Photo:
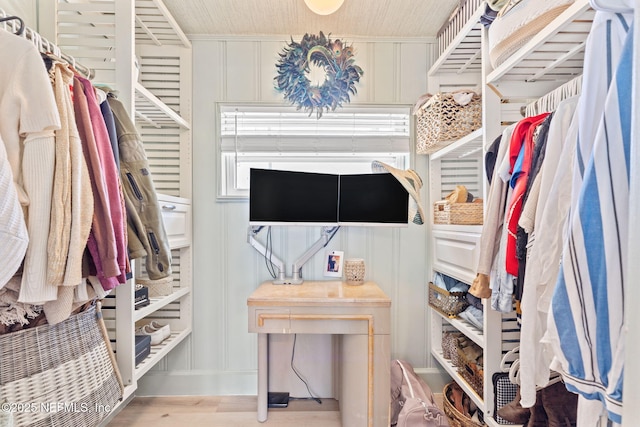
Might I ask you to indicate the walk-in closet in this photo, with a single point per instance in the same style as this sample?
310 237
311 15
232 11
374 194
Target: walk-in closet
318 213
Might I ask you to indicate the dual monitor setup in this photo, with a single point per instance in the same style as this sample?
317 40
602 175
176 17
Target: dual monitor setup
303 198
315 199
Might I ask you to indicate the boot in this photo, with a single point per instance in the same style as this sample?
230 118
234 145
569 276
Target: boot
480 286
514 412
538 416
560 405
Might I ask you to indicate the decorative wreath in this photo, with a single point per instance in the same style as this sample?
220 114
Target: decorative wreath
334 56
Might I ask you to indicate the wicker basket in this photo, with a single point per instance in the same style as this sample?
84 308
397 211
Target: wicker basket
442 120
157 288
471 370
456 419
448 303
450 343
457 213
65 373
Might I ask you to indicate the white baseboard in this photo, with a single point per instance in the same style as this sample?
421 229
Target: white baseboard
235 383
198 383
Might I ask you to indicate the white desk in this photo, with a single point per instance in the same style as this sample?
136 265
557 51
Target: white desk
359 315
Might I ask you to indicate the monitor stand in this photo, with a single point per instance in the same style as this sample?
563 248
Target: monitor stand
296 279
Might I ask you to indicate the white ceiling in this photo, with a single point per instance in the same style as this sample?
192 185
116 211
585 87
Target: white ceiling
359 18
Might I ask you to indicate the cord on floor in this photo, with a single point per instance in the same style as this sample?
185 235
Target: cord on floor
312 397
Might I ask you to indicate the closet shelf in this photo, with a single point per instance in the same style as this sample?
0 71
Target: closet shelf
463 54
155 25
463 147
491 422
159 351
152 110
470 331
555 55
457 228
158 303
464 385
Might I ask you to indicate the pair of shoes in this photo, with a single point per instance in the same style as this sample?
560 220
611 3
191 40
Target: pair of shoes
480 287
514 412
156 330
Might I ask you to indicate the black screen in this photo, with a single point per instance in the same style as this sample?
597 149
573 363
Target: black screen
285 196
373 198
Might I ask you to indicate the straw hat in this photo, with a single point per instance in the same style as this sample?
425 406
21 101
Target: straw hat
13 229
459 195
411 181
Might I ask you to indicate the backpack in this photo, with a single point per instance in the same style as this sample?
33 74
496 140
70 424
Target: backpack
412 401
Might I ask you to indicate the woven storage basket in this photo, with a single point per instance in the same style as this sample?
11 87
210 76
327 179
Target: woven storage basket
65 373
157 288
442 120
456 419
448 303
450 342
457 213
471 371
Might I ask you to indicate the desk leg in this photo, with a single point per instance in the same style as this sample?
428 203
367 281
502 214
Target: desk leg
263 375
355 379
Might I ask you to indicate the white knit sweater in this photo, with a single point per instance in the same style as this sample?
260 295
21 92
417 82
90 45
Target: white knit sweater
28 117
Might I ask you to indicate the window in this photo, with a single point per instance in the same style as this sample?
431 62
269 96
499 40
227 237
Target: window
279 137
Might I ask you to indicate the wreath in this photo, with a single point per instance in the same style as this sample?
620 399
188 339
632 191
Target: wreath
334 57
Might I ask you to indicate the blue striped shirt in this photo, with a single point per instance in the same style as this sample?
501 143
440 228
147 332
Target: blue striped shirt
587 310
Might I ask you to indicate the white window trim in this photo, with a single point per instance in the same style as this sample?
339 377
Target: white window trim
229 169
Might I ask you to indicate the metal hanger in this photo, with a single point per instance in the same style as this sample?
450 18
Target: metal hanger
20 30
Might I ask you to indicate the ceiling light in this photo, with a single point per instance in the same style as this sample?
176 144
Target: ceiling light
324 7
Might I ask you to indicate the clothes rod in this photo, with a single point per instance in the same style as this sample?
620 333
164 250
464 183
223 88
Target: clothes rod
43 45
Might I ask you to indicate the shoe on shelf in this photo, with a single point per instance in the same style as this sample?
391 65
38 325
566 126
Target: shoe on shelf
156 335
157 326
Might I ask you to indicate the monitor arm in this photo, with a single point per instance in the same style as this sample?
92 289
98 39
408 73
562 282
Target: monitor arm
325 238
253 231
323 241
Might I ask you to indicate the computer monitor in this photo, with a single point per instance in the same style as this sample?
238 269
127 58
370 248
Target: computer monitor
279 197
372 200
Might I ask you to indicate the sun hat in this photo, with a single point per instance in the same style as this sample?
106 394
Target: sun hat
13 229
411 181
459 195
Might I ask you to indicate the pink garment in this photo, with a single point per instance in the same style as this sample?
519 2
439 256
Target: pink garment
102 242
112 177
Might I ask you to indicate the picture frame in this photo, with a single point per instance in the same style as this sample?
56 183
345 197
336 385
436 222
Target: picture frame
333 261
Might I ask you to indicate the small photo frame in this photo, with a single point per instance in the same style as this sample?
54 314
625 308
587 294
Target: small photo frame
333 263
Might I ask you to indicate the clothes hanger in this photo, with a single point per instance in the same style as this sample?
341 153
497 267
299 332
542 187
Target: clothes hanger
20 30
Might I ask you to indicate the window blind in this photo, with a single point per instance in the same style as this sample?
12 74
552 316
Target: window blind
259 129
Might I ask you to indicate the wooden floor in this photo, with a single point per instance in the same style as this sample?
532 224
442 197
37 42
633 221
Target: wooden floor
225 411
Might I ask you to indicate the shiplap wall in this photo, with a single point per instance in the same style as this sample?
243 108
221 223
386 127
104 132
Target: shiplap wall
220 357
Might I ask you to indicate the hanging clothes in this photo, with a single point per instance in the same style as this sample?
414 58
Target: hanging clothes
522 147
147 235
534 363
493 222
102 242
13 229
72 207
586 319
115 197
28 117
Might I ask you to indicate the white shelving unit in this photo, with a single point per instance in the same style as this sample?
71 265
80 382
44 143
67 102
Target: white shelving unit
137 48
551 58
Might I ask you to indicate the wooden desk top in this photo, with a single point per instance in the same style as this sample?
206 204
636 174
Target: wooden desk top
319 293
